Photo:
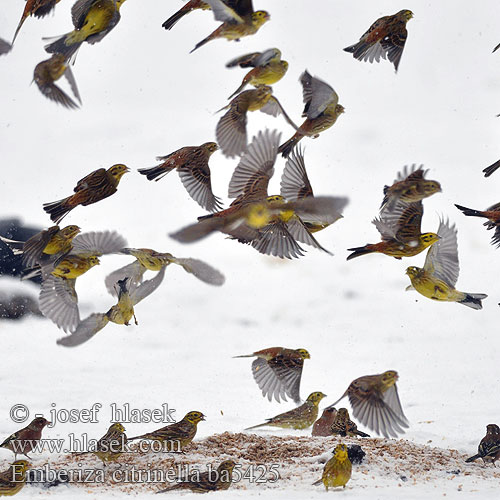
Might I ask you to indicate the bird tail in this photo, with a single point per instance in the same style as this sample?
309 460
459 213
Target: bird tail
172 20
358 49
471 459
239 89
245 356
59 46
58 209
142 436
362 434
21 22
358 251
286 148
177 486
319 481
473 300
257 426
156 173
203 42
493 167
496 48
470 211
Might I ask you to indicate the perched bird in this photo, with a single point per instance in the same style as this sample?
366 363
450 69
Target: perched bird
212 480
489 447
37 8
231 129
45 246
48 72
410 186
301 417
375 403
5 47
493 214
437 279
238 20
186 9
150 260
400 229
24 440
322 426
491 169
112 444
178 435
121 313
385 38
337 471
58 299
343 425
93 20
321 110
277 371
13 479
270 224
192 164
92 188
268 68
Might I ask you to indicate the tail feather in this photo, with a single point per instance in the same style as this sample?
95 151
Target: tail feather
358 49
18 29
494 166
257 426
172 20
239 89
203 42
58 209
470 211
496 48
286 148
155 173
474 457
473 300
245 356
59 47
358 251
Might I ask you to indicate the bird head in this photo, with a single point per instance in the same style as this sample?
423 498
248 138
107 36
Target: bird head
389 378
226 465
412 271
70 232
315 397
117 427
211 147
93 261
259 17
492 429
304 354
431 187
342 414
405 15
339 109
427 239
117 171
340 452
19 468
194 417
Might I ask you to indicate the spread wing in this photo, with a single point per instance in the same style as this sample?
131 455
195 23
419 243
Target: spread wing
231 132
137 293
98 243
401 222
230 12
133 271
32 249
294 181
268 381
72 83
442 257
393 44
300 233
317 94
196 180
201 270
85 330
275 239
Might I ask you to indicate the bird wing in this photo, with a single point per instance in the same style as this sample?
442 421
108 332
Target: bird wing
321 209
196 180
251 176
58 301
137 293
288 368
263 58
85 330
317 94
33 248
275 239
56 94
294 181
401 221
201 270
442 258
300 232
96 243
94 180
391 399
268 381
4 47
246 60
133 271
79 11
393 44
72 83
229 12
231 131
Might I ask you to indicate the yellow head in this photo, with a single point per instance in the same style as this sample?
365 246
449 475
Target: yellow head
304 354
389 378
431 187
194 417
117 171
93 261
19 468
315 397
275 199
226 465
259 17
412 271
69 232
427 239
211 147
405 15
119 4
340 452
116 427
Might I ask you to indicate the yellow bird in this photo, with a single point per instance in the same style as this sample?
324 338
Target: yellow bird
13 479
112 444
238 21
93 20
268 68
338 469
437 279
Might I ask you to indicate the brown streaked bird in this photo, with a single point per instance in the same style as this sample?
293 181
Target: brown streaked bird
112 444
343 425
268 68
48 72
191 162
321 110
93 20
212 480
25 440
238 20
278 371
5 47
400 229
493 214
385 38
409 186
129 295
231 130
301 417
13 479
491 169
489 447
322 426
178 435
186 9
375 403
92 188
37 8
151 260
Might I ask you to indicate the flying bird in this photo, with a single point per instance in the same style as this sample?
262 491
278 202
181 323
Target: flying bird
492 214
186 9
37 8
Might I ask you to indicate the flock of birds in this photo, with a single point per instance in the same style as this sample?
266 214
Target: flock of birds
272 224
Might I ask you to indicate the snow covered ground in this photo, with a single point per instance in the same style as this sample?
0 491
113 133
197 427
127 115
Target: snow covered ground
144 96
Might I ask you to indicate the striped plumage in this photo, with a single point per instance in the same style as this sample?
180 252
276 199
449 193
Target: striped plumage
13 479
343 425
112 444
92 188
489 447
493 214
